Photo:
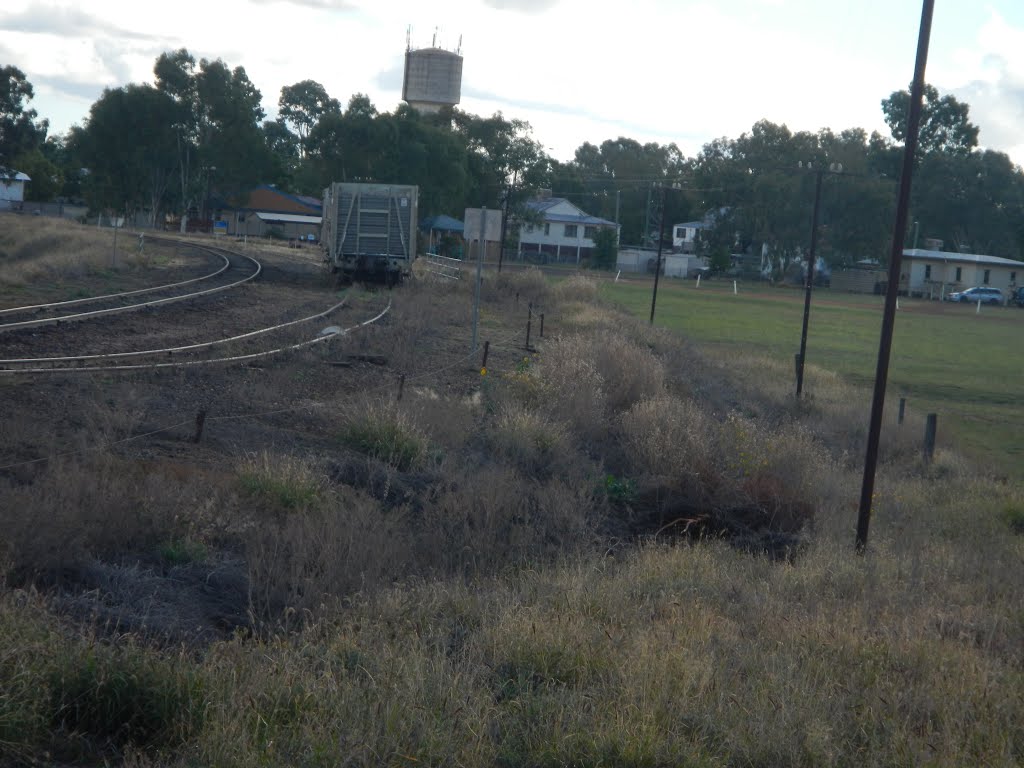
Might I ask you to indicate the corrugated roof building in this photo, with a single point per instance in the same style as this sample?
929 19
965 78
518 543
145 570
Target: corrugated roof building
937 273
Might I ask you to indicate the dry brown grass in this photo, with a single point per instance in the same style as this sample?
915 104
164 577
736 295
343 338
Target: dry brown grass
589 378
663 656
34 249
575 289
80 509
464 608
529 440
528 284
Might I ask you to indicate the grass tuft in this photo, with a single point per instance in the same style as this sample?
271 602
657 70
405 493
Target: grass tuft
122 697
388 435
282 482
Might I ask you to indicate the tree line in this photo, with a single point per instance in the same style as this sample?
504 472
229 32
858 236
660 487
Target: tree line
200 127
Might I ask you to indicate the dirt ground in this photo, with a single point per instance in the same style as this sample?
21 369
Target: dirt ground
145 420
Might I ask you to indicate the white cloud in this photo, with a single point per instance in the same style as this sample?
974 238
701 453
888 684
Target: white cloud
655 70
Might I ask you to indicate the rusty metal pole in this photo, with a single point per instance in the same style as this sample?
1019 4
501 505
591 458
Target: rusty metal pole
895 260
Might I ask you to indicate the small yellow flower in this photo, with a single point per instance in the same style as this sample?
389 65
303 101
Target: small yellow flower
483 371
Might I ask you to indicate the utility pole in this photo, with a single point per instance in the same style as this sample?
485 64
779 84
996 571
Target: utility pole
657 265
504 223
895 258
647 217
618 224
810 283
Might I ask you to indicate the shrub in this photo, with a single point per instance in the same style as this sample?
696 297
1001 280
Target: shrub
630 372
586 378
572 386
668 438
530 284
527 438
735 469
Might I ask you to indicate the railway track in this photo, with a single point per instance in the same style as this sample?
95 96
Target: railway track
49 365
231 264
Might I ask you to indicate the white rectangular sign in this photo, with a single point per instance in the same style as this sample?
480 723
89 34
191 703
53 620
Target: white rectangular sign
471 222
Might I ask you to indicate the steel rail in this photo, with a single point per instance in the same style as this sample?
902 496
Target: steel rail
154 289
189 363
171 350
142 305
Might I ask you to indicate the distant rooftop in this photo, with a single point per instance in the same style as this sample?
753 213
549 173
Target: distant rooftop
966 258
9 174
582 218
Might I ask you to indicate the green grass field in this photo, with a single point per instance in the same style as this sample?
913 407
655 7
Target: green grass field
946 358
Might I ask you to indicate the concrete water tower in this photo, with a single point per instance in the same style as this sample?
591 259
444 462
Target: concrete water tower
433 77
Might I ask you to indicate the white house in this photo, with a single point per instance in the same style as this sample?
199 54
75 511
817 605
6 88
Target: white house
565 232
12 188
936 273
684 236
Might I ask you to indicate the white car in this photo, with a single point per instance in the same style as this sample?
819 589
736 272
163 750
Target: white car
983 294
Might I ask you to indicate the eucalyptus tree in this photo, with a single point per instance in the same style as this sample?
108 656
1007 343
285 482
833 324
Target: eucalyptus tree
302 105
217 125
20 129
129 145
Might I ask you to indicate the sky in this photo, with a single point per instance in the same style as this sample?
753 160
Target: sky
682 71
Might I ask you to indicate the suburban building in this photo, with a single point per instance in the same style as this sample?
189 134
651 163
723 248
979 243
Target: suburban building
268 212
563 233
12 189
684 236
936 273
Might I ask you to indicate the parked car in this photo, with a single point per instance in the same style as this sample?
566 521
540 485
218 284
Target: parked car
981 293
1017 297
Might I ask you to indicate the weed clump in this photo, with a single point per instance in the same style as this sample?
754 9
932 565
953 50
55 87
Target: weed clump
122 697
529 284
281 482
78 700
388 435
733 473
1013 516
528 439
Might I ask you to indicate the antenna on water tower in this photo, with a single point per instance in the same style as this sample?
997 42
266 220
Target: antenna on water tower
433 76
